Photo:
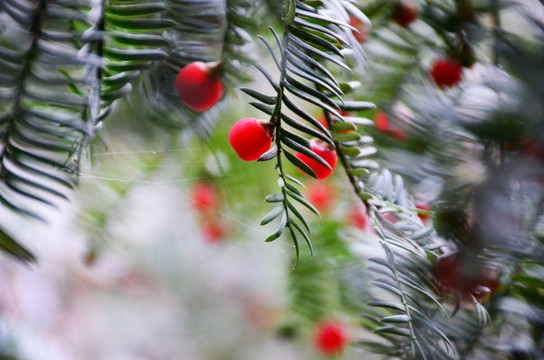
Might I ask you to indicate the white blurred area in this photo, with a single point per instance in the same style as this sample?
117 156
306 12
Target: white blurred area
158 291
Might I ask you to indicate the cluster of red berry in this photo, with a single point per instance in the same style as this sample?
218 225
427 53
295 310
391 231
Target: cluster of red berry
199 86
446 72
251 138
404 14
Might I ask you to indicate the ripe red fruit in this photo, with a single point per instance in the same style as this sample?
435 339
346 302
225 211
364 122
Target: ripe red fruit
405 13
199 85
250 138
361 35
326 153
446 72
331 338
321 195
204 197
423 217
381 123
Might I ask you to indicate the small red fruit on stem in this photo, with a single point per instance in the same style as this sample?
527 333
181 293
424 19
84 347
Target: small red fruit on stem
250 138
331 338
446 72
199 85
326 153
405 13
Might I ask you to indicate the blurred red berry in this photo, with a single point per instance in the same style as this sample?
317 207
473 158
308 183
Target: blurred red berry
492 283
361 35
326 153
447 271
423 217
250 138
534 149
199 86
331 338
321 195
358 217
477 281
381 123
446 72
405 13
204 197
392 218
323 120
213 232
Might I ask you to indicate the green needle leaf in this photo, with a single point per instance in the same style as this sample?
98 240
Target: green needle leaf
274 213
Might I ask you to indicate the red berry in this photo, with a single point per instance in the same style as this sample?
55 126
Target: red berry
331 338
405 13
392 218
478 282
381 123
213 232
199 86
446 72
204 197
250 138
447 271
358 217
323 120
423 217
326 153
360 35
321 195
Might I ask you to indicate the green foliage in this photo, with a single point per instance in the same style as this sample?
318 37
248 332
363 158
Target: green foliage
472 152
311 40
454 156
64 65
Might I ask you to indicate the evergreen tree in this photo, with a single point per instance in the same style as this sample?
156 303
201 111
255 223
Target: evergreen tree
428 111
